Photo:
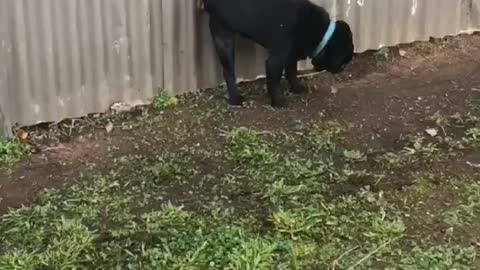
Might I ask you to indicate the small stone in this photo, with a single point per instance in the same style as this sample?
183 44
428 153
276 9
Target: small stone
334 90
121 107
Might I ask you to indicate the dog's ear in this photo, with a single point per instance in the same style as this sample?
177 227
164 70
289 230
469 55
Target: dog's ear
345 28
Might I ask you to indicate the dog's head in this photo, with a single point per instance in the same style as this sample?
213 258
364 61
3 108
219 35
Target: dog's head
338 52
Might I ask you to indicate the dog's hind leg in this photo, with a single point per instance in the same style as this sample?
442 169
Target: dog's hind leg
224 40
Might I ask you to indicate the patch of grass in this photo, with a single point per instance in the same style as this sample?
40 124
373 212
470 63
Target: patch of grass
245 146
278 191
417 150
322 137
36 238
249 204
339 234
441 258
274 172
173 238
93 229
467 210
252 255
469 123
12 151
164 100
281 178
354 156
423 184
104 225
171 167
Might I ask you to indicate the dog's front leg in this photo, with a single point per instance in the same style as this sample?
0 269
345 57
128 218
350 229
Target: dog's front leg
274 67
291 74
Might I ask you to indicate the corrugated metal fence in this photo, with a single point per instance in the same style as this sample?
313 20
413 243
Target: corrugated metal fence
67 58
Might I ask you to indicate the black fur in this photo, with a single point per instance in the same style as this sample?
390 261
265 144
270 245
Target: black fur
289 29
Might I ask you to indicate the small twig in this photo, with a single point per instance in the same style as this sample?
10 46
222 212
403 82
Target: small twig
362 260
335 262
443 130
90 121
71 127
379 178
55 123
222 132
63 133
264 132
55 148
309 74
473 165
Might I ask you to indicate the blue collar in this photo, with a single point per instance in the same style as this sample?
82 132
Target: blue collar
326 38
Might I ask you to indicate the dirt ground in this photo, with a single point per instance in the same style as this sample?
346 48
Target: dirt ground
378 96
381 100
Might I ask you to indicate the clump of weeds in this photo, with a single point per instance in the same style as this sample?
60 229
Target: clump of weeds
12 151
164 100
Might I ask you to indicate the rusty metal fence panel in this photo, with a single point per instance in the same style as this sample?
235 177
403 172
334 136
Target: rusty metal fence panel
67 58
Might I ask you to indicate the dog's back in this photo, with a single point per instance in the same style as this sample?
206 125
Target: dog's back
255 18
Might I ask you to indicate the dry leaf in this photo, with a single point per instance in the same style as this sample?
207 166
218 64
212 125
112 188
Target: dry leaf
109 127
432 132
21 134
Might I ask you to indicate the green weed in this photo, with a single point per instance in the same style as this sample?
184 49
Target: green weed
12 151
164 100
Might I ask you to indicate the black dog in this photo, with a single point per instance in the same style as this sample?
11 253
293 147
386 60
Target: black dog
291 30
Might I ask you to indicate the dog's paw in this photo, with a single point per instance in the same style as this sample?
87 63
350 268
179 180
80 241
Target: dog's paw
299 88
236 100
279 101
